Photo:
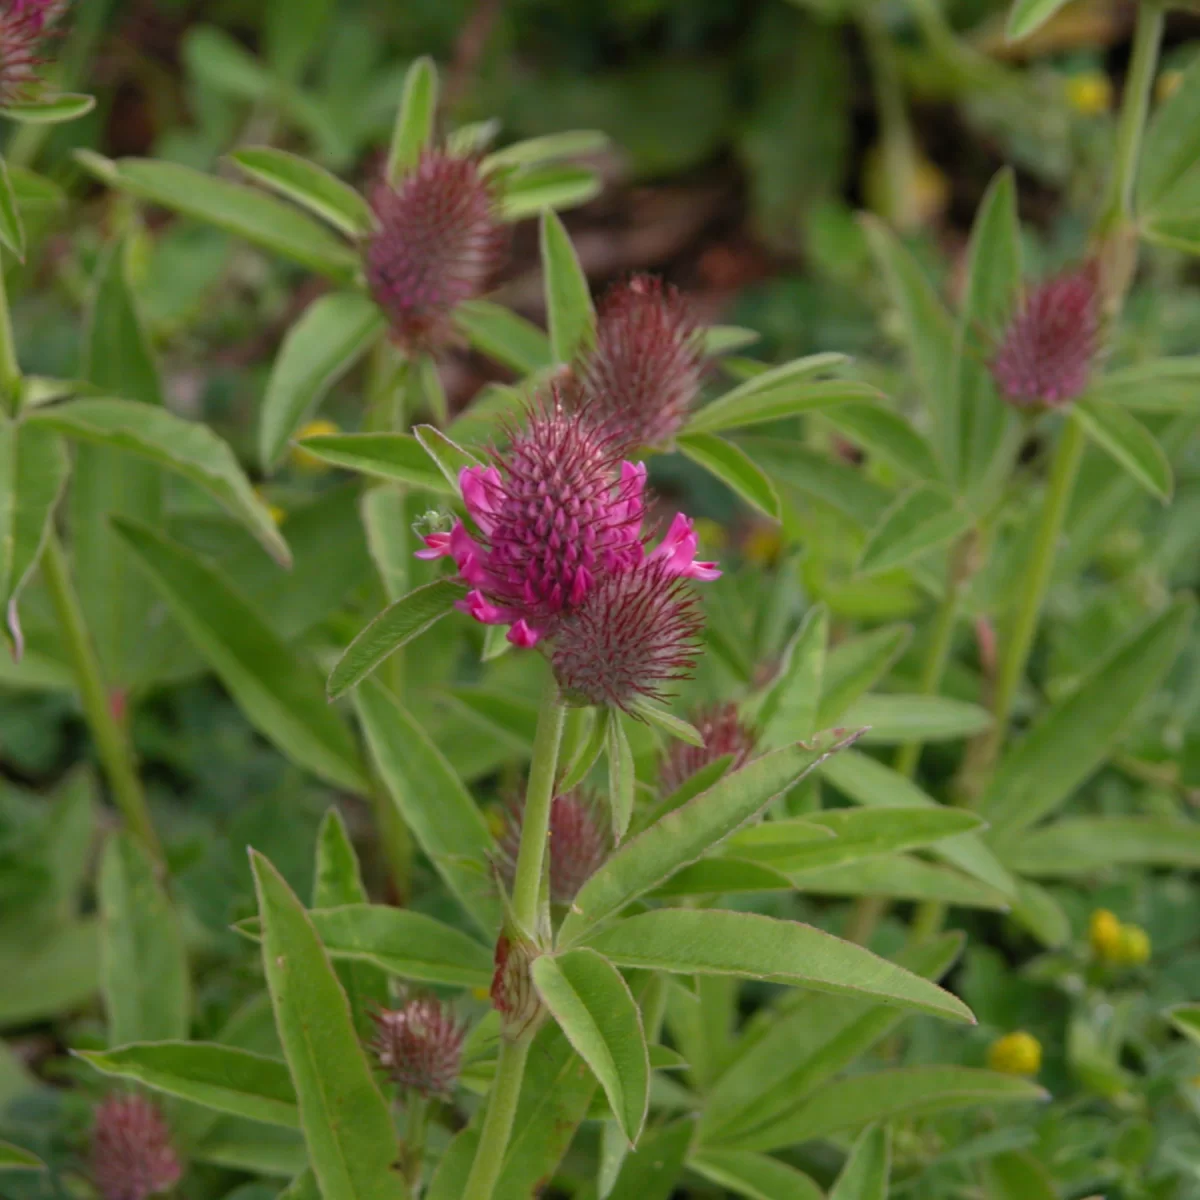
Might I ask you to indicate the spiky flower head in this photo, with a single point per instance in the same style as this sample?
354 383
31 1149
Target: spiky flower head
131 1154
723 732
636 633
557 512
513 995
642 372
23 24
420 1045
439 239
580 841
1046 354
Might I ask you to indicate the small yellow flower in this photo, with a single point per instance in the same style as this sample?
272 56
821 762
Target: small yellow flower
1017 1053
302 458
1167 85
1133 946
1104 935
1090 93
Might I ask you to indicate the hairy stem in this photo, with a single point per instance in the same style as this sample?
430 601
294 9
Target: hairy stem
112 746
497 1125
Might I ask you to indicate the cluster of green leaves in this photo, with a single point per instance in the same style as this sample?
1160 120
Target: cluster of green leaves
705 1028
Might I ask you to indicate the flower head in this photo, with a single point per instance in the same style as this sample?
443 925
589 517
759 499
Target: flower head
1017 1053
723 733
636 632
438 240
1134 947
642 372
1104 934
23 23
1046 354
580 840
132 1156
420 1045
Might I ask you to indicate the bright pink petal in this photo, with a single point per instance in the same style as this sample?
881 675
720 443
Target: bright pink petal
706 571
475 605
521 634
479 486
437 545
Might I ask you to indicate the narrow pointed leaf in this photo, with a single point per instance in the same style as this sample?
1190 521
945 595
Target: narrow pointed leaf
243 211
886 435
13 1158
571 144
280 692
759 405
595 1009
893 718
414 122
143 963
504 336
329 338
716 942
788 712
396 626
620 775
187 447
1028 16
397 457
1172 143
12 232
67 106
569 310
308 185
734 468
218 1077
1086 845
346 1123
867 1169
449 457
684 834
546 189
1129 443
754 1176
919 522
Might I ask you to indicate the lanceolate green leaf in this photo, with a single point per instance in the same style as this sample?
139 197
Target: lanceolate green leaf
755 406
734 468
280 692
432 801
620 774
222 1078
1169 385
114 594
867 781
880 1095
347 1126
414 122
501 334
397 625
338 882
929 333
570 144
144 970
1028 16
449 457
684 834
920 521
1172 144
188 447
13 1158
788 712
892 718
308 185
1121 435
12 233
900 877
855 665
67 106
568 302
543 189
33 470
1085 845
397 457
328 339
1079 732
754 1176
243 211
399 941
596 1011
811 1037
888 436
716 942
865 1175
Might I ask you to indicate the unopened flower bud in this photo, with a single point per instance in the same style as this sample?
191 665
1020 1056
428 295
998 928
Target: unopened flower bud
420 1046
723 733
1017 1053
1104 935
580 840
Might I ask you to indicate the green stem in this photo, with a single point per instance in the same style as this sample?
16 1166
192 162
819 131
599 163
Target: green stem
1015 653
535 818
936 655
112 745
1139 81
10 368
416 1110
497 1125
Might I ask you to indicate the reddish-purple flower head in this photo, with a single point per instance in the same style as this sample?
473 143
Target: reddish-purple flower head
636 633
724 734
1046 354
420 1046
580 840
23 23
439 239
557 513
132 1156
642 372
